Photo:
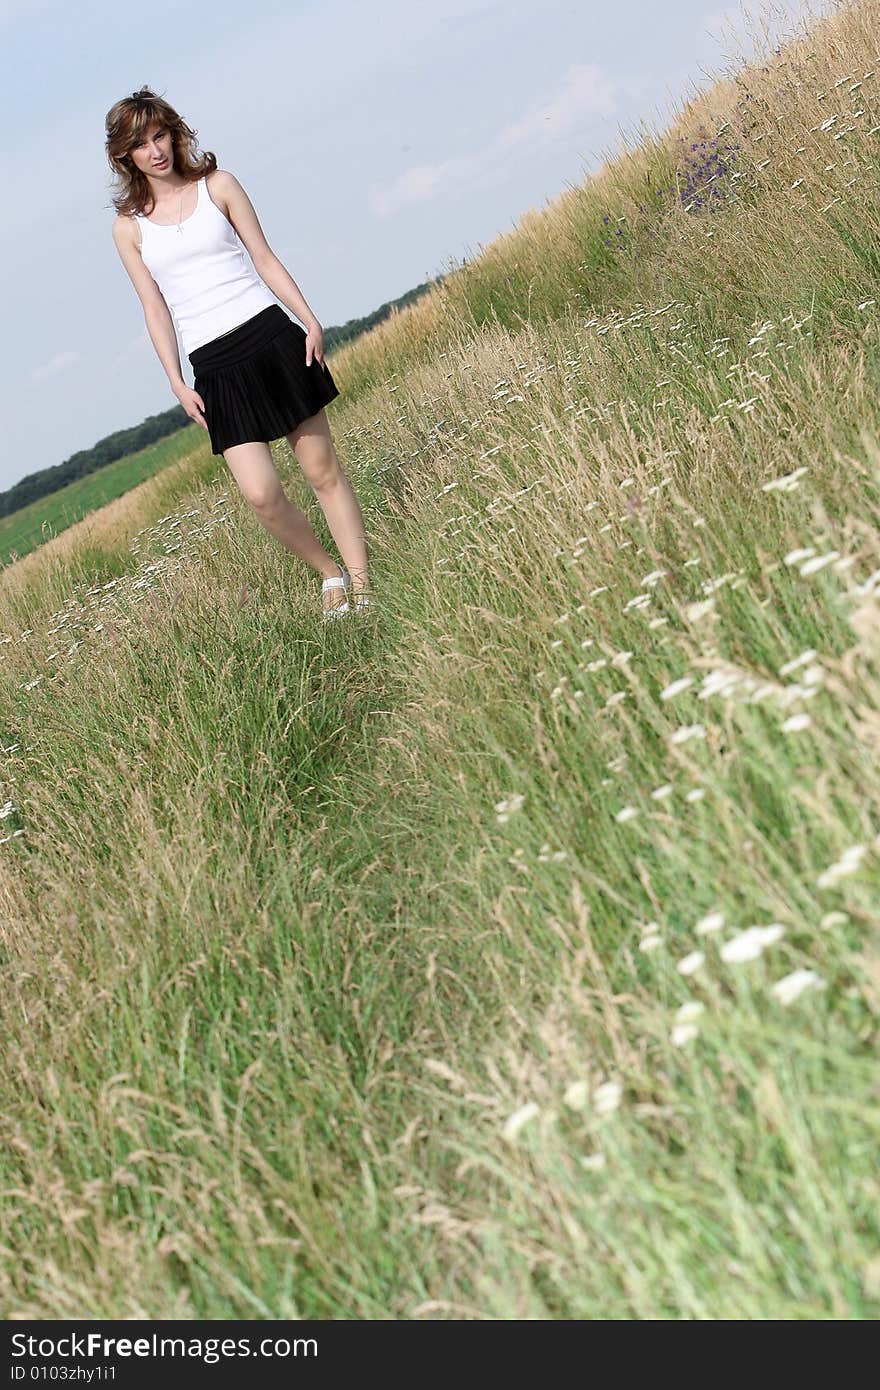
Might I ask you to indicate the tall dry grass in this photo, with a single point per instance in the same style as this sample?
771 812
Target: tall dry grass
513 955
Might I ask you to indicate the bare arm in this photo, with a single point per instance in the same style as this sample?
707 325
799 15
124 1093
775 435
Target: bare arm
160 327
282 284
157 316
232 200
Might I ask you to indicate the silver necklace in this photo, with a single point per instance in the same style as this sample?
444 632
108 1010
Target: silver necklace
179 213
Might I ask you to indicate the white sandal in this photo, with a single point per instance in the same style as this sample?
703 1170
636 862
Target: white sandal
340 581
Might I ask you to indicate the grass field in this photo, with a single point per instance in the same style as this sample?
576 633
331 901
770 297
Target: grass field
510 952
24 530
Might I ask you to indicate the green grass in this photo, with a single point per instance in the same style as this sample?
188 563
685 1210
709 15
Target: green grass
400 969
24 530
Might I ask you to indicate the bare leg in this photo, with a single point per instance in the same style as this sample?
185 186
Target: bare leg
312 444
254 470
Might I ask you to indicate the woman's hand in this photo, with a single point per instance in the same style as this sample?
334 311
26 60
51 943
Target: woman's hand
315 344
192 404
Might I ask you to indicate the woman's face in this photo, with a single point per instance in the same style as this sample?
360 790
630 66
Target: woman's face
154 147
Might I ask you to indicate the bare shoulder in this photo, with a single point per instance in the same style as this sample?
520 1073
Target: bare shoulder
221 179
226 191
124 232
221 184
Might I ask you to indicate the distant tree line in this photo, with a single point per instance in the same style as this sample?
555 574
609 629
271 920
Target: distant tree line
346 332
129 441
84 461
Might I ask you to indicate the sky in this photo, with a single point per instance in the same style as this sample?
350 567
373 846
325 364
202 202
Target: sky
380 143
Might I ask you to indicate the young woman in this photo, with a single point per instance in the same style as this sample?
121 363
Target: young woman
257 375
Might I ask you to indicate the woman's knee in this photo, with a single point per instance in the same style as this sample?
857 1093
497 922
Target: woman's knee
317 459
312 446
254 470
322 473
267 498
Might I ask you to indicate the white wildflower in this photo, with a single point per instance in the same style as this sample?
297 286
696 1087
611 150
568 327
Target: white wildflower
795 556
696 794
819 562
687 732
848 863
749 944
683 1033
690 963
719 682
711 586
802 660
833 919
786 483
659 793
712 922
508 806
519 1118
592 1162
795 723
627 813
696 611
689 1011
792 986
676 687
761 692
576 1095
607 1097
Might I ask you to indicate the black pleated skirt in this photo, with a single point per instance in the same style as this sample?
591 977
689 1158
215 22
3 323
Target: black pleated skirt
255 382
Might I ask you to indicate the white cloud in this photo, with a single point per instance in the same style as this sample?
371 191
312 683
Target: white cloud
586 91
61 362
418 184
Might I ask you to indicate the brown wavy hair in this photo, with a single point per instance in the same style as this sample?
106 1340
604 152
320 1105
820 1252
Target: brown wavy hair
126 123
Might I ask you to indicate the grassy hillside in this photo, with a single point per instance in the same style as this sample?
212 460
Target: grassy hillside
511 952
28 527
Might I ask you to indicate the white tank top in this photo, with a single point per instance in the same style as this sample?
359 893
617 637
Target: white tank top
202 270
